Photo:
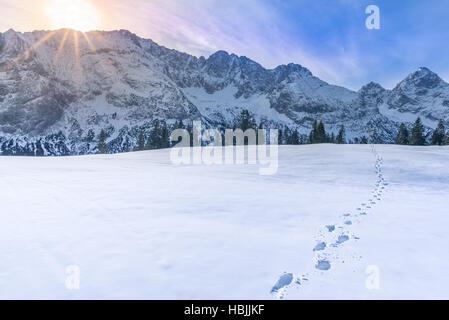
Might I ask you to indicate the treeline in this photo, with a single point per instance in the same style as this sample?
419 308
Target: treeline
159 136
416 135
288 136
317 135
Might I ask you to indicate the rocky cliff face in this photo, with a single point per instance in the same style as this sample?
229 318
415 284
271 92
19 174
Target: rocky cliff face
59 89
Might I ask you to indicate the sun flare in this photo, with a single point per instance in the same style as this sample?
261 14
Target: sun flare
74 14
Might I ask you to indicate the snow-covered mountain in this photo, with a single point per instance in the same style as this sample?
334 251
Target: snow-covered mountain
59 89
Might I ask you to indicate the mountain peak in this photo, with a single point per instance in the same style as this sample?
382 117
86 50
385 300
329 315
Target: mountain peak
11 30
126 33
372 86
219 53
294 68
131 36
422 72
423 78
10 33
222 55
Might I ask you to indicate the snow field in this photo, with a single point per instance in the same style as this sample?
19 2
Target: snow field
139 227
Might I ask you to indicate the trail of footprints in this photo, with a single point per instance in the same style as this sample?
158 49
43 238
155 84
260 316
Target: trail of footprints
331 237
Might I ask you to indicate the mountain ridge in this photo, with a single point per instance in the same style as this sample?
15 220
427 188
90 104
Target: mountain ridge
62 87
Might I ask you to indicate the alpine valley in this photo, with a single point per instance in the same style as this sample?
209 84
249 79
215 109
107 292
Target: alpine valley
59 89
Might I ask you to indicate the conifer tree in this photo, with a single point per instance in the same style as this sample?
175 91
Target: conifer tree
403 135
154 140
102 147
446 139
438 134
246 121
364 140
287 134
417 134
280 137
257 133
189 129
164 136
313 132
140 145
294 138
341 137
320 136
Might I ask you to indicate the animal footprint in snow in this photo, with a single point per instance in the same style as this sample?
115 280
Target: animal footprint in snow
285 280
323 265
341 239
320 246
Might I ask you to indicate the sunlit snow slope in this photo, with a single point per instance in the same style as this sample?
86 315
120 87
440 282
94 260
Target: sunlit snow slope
139 227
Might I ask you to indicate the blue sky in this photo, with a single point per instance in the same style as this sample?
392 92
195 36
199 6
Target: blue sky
327 36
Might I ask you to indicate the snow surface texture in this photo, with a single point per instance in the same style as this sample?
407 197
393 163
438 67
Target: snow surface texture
331 237
139 227
59 89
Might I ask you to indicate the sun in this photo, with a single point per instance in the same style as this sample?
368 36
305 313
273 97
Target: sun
74 14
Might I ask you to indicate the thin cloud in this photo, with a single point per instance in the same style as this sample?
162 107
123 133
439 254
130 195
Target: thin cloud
327 37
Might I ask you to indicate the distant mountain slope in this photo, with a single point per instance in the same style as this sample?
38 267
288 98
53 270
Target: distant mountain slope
58 89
